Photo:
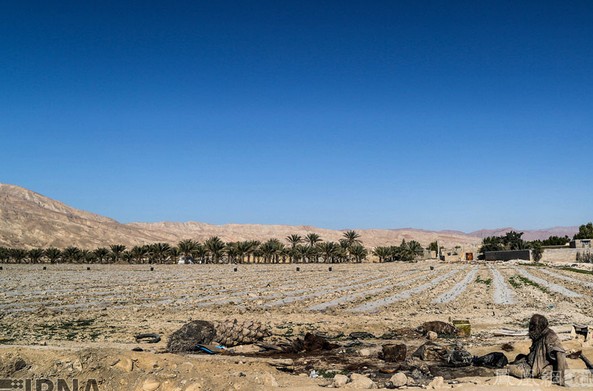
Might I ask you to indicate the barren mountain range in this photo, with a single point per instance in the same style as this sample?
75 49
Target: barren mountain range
29 219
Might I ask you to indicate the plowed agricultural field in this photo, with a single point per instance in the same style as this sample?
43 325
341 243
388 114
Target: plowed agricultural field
111 303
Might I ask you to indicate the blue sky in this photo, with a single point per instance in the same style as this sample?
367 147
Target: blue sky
338 114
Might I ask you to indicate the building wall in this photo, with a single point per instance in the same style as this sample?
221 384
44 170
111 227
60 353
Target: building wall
581 243
459 254
507 255
562 254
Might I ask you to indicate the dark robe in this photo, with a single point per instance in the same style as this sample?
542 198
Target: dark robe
546 354
545 347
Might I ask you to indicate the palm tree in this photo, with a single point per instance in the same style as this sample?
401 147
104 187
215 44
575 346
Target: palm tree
215 247
87 256
293 240
71 254
174 255
358 252
4 254
18 254
127 256
383 253
138 253
232 251
53 254
102 254
328 251
253 250
186 249
116 251
160 251
305 253
352 238
271 250
35 255
243 248
200 252
312 239
415 248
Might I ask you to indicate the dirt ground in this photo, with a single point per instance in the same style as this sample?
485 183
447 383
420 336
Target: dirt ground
67 322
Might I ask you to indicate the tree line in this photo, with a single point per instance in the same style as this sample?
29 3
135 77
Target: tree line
296 249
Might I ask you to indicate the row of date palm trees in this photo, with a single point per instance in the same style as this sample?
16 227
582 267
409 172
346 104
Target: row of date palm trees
406 252
308 249
297 249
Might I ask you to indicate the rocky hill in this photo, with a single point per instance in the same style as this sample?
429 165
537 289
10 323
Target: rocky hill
29 219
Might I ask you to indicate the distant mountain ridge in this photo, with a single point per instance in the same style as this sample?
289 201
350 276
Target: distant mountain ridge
528 234
29 219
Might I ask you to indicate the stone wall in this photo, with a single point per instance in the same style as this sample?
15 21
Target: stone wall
561 254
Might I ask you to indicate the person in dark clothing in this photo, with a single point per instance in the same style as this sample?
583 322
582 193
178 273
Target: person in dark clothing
546 358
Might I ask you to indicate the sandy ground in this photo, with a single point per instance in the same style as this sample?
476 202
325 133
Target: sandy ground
69 322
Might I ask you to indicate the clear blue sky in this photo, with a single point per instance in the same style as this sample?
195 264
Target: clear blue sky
339 114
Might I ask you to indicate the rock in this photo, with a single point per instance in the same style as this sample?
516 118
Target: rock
245 349
366 352
125 364
150 385
399 379
394 352
431 335
437 382
360 382
340 380
431 351
269 380
77 365
460 357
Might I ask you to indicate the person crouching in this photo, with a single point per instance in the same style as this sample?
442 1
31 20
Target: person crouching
546 358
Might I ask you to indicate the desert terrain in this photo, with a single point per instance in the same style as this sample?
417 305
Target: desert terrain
68 322
29 219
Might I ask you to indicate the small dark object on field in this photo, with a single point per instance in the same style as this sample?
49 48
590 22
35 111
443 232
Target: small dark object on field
235 269
148 338
491 360
137 349
152 269
432 268
44 268
330 269
88 268
507 347
298 269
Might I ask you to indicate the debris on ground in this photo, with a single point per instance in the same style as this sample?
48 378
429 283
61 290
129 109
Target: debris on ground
441 328
394 352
